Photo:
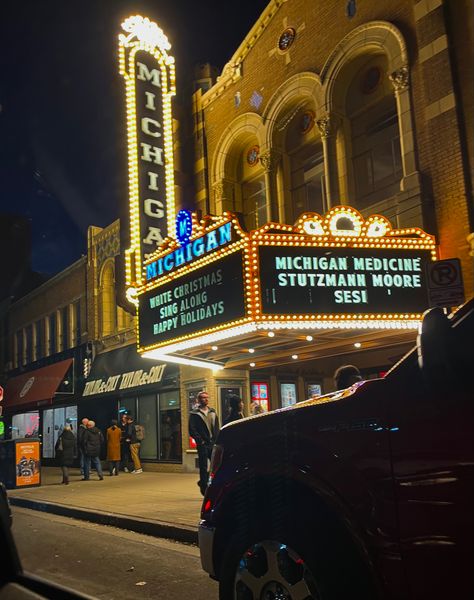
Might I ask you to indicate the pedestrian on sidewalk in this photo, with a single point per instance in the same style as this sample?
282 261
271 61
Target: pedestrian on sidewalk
80 438
113 447
133 444
65 449
203 427
345 376
124 446
236 406
93 440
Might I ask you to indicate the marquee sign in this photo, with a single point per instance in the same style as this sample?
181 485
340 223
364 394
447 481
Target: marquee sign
324 272
149 74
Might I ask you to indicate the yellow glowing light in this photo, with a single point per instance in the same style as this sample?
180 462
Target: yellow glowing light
181 360
271 334
145 36
309 338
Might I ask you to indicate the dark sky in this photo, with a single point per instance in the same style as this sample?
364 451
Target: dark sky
62 118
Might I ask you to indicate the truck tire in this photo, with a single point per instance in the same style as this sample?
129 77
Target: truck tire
295 565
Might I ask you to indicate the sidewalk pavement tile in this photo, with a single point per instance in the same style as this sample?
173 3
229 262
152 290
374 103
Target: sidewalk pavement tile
167 498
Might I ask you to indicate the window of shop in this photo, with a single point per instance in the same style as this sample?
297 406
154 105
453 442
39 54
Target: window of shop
29 344
53 424
170 426
25 425
77 323
147 417
52 334
39 339
19 347
64 327
160 415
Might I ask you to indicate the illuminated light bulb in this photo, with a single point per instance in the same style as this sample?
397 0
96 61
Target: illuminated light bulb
214 348
251 350
309 338
252 364
271 334
357 345
294 356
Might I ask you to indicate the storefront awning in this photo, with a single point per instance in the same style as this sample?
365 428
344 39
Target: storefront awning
122 370
35 386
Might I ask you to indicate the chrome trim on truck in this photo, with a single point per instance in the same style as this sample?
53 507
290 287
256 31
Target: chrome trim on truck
206 542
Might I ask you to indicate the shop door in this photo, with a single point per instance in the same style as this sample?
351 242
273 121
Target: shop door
48 433
224 393
53 423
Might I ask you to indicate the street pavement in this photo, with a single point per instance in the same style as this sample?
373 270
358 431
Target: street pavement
161 504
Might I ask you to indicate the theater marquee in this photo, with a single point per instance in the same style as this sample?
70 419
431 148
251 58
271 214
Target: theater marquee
336 271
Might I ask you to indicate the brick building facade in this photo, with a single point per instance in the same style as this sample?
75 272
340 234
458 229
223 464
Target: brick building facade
370 110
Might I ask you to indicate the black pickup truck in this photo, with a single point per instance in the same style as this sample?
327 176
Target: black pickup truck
363 493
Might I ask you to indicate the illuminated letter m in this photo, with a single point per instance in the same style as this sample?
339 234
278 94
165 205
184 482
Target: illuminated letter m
145 75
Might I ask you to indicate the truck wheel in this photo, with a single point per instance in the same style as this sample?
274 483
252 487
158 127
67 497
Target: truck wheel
268 570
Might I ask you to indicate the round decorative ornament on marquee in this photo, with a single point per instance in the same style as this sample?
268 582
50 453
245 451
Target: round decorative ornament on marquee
184 226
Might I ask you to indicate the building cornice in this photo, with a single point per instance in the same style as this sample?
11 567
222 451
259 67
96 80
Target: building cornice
232 71
50 283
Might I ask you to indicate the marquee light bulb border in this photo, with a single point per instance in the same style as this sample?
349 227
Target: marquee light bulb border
145 35
341 227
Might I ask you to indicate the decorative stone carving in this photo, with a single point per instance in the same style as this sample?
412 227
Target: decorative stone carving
269 160
400 78
218 189
325 126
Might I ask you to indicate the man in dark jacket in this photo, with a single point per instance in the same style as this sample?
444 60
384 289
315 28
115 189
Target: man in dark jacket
91 443
203 427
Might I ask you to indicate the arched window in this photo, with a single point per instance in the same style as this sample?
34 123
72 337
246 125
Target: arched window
107 306
374 133
251 176
305 151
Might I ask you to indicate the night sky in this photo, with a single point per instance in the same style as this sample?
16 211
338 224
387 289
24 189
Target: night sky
63 159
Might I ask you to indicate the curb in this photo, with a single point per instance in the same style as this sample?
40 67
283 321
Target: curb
178 533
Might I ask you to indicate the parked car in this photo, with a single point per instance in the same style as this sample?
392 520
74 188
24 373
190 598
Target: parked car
363 493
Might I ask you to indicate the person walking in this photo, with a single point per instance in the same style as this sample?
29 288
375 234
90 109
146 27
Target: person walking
133 444
80 436
236 406
124 446
203 427
114 434
345 376
92 443
65 449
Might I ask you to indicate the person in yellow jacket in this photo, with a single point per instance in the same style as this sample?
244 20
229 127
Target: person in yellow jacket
113 447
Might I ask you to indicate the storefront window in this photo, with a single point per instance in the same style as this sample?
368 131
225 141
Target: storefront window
147 417
170 426
128 405
53 424
25 425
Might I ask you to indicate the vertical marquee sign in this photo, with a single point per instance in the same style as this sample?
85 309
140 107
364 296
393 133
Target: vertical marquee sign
149 74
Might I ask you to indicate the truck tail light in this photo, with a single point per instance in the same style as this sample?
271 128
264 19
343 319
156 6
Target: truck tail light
216 461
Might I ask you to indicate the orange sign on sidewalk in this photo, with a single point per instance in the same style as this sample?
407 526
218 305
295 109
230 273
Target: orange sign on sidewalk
27 461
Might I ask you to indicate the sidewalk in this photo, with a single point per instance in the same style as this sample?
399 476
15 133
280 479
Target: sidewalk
161 504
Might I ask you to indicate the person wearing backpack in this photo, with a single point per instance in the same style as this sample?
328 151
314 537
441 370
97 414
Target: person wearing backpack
133 442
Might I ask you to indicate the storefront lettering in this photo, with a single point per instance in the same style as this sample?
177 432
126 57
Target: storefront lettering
124 381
